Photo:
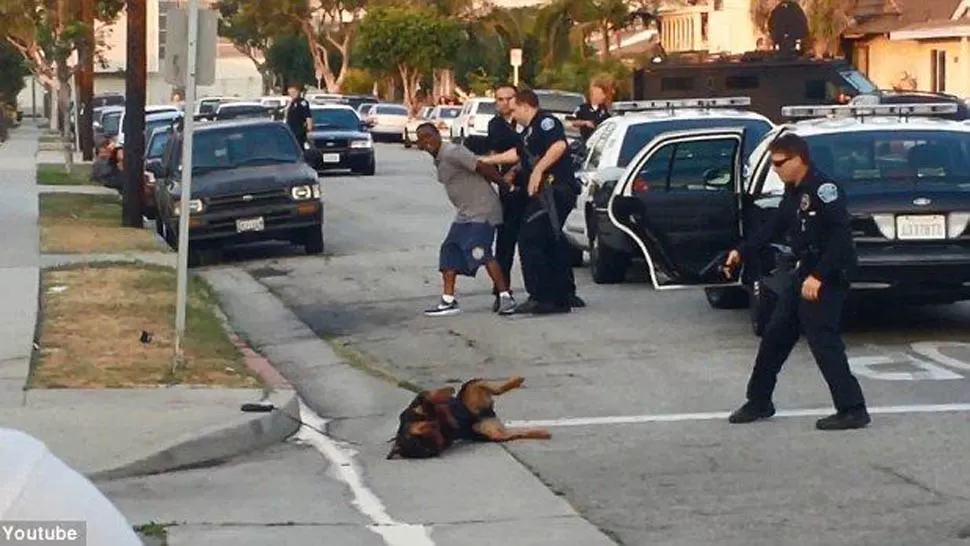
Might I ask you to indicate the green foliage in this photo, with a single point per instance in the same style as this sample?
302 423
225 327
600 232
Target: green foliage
409 38
14 70
289 59
577 75
243 28
358 81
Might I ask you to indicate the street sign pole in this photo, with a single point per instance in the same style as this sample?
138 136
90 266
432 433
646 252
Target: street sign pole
515 59
186 183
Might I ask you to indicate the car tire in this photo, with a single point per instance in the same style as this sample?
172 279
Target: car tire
313 240
731 297
606 265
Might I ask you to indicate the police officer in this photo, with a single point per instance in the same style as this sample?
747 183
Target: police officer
814 217
552 191
590 114
503 135
299 118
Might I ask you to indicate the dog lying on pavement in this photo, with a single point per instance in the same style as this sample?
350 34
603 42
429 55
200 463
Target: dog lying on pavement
435 420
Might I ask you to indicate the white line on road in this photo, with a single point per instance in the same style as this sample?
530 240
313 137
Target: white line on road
342 458
718 415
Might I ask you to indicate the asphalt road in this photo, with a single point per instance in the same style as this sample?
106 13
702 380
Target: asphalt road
636 386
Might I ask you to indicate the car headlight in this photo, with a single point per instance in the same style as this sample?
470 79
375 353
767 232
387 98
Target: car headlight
362 143
195 206
308 191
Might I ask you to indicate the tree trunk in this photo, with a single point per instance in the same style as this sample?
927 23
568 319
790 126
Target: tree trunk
266 77
605 52
63 107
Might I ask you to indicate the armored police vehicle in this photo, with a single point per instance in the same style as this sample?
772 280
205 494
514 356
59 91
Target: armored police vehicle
609 150
774 78
690 196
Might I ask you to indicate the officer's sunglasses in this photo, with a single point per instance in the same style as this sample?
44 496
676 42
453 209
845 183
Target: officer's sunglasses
779 162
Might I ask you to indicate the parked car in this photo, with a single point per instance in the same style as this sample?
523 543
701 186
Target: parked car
471 126
563 105
387 120
107 125
205 108
238 110
339 140
364 108
154 151
443 118
250 183
149 110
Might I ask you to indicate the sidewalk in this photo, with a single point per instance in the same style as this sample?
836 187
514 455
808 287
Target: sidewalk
117 432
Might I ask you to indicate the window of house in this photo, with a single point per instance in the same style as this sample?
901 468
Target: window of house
741 82
938 70
163 7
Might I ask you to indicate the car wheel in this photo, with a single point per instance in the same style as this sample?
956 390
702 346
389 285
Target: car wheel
313 240
731 297
606 265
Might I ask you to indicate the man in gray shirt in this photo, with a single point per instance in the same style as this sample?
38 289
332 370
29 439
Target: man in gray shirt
468 245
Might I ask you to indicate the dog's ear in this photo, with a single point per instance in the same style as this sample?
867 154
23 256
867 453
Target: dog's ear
441 396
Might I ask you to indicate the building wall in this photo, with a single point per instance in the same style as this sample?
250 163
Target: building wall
886 61
719 26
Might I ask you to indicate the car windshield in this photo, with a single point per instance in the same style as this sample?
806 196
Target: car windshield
867 157
249 146
335 118
156 145
448 113
858 81
561 104
155 124
390 110
208 106
111 122
485 108
638 136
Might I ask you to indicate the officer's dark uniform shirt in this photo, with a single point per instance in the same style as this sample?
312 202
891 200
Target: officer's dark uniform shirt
502 136
586 112
297 112
814 217
544 131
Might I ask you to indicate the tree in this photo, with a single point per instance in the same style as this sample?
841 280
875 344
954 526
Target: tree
14 70
249 34
415 41
827 19
47 35
289 60
328 26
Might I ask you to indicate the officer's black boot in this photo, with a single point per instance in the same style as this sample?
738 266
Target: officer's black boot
845 420
751 412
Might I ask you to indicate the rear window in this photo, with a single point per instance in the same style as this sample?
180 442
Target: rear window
449 113
391 110
638 136
561 104
157 144
485 108
111 122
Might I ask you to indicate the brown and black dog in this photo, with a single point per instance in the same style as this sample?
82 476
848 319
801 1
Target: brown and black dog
436 419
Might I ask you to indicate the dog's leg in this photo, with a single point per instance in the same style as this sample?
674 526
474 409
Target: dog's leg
527 434
495 388
495 431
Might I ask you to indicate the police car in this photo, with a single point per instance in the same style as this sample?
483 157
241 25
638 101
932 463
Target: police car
690 196
616 142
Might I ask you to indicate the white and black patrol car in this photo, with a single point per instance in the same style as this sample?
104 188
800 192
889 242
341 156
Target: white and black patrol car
618 140
690 196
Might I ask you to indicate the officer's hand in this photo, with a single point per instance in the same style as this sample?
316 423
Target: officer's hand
810 288
535 180
733 259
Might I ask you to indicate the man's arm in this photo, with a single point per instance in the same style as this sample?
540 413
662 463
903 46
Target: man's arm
775 224
470 162
838 249
551 156
490 173
508 157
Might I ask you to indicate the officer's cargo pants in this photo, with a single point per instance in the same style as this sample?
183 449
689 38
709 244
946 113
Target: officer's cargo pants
546 269
821 322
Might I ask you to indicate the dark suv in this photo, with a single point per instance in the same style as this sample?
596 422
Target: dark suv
249 183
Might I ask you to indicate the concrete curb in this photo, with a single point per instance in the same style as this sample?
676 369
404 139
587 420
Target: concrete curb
217 444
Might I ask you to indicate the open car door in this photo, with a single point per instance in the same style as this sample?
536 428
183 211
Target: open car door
679 201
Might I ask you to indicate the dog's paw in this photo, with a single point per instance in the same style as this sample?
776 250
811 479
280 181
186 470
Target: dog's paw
516 382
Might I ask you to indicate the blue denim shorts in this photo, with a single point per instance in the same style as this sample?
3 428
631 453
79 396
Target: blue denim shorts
467 247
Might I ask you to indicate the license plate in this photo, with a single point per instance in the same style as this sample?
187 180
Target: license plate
923 227
331 158
250 224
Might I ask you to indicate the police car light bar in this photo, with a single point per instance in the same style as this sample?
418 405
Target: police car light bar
646 105
858 110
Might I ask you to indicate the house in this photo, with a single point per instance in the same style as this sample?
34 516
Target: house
913 45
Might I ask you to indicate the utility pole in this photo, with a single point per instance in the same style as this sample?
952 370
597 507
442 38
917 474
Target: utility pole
135 83
85 81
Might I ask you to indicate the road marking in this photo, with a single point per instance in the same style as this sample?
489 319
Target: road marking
719 415
365 500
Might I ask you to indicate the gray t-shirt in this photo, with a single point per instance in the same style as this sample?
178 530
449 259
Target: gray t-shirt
469 191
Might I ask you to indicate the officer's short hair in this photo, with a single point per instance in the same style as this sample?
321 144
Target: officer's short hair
427 128
527 96
506 85
791 145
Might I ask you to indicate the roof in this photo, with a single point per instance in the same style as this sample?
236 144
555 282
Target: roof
332 106
884 16
238 123
167 114
637 118
822 126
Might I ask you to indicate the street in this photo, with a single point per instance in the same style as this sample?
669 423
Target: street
635 389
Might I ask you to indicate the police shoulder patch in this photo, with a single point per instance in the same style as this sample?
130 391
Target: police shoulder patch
547 124
828 192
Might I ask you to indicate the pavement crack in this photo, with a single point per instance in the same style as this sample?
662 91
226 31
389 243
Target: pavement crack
917 483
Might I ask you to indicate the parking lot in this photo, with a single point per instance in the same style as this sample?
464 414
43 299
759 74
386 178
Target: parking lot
637 386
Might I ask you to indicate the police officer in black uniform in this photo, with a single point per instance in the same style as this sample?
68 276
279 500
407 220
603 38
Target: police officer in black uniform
590 114
814 217
299 118
502 137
